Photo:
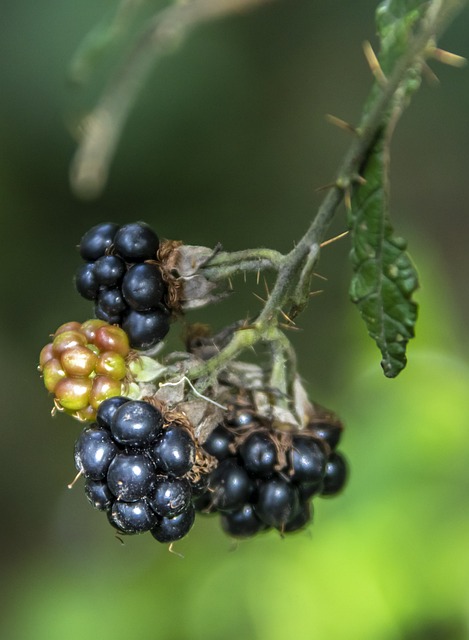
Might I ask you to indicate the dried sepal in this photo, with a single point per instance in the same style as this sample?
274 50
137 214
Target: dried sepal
188 288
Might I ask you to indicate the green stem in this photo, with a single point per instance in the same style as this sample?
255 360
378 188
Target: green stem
295 268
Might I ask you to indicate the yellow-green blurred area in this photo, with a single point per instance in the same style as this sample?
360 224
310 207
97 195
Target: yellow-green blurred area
228 143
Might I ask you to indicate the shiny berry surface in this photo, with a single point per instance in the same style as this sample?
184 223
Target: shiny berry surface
94 451
109 270
109 338
78 361
73 394
97 240
277 502
335 477
132 517
307 460
327 432
171 496
172 529
242 523
86 282
219 442
136 424
110 303
143 287
98 495
136 242
259 454
230 485
107 410
174 451
145 328
131 476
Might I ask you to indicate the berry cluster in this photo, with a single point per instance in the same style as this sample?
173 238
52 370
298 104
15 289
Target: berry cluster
122 277
266 478
85 364
139 469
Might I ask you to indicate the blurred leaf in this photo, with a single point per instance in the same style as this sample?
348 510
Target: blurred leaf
384 277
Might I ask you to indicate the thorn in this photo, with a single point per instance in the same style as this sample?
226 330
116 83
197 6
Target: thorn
258 297
331 240
230 284
266 286
289 327
374 65
342 124
258 276
244 275
311 294
430 75
451 59
324 187
318 275
359 179
72 483
287 318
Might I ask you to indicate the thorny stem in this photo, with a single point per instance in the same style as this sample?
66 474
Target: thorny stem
295 268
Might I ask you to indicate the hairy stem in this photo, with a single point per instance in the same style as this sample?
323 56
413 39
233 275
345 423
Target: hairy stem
295 268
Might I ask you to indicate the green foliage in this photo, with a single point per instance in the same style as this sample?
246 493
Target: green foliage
384 277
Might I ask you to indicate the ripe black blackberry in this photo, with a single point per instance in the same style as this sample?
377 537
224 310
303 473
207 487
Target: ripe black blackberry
266 477
122 278
138 469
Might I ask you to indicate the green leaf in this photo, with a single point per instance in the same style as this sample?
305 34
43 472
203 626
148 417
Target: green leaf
384 276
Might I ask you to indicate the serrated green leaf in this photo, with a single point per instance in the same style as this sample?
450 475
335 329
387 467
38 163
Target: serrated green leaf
384 276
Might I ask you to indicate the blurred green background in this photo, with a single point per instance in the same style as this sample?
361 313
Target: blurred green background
228 143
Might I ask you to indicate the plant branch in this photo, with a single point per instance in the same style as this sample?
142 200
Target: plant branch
295 268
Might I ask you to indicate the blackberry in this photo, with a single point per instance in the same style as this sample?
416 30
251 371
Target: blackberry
230 485
327 432
143 287
300 518
136 424
307 490
146 328
127 290
132 517
277 502
259 454
219 442
97 240
242 523
99 495
136 242
86 282
335 476
110 302
171 496
174 451
131 477
107 410
172 529
109 270
94 452
307 459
